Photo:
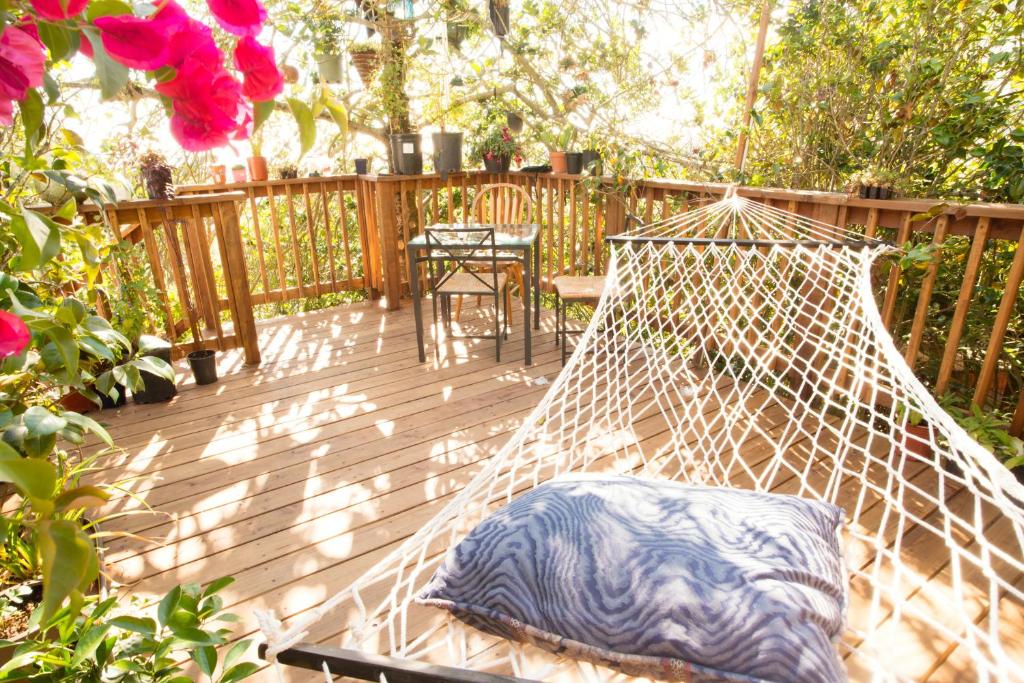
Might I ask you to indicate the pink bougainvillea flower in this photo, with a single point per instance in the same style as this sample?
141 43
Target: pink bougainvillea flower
241 17
192 40
207 103
136 42
28 25
6 112
261 79
14 334
21 63
58 10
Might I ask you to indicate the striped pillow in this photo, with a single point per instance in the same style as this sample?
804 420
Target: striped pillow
658 579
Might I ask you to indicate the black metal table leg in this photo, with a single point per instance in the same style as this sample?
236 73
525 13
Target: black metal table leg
527 282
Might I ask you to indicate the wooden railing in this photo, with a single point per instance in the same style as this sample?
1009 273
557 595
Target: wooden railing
196 266
311 236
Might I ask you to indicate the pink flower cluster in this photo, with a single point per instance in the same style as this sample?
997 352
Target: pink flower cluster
209 106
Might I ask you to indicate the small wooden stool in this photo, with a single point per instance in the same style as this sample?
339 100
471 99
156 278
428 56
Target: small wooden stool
574 289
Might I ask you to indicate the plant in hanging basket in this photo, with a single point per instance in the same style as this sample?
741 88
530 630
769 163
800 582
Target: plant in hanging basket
499 14
157 176
366 59
497 148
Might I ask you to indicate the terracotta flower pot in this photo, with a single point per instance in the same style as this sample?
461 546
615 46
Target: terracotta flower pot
918 441
238 175
257 168
367 63
558 162
78 403
218 174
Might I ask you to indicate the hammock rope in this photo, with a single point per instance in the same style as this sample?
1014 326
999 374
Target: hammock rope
737 344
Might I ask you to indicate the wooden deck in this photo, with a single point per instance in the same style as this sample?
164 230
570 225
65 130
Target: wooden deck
297 475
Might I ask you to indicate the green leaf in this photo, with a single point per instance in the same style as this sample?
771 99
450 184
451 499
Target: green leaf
168 604
236 651
218 585
81 497
307 125
66 346
62 41
141 625
113 76
41 422
68 561
88 643
197 636
154 366
38 237
206 658
33 477
261 111
32 116
239 671
106 8
88 424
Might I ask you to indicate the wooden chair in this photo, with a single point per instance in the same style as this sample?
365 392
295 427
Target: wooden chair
501 203
574 289
450 252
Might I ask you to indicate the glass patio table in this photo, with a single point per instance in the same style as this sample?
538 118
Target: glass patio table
518 240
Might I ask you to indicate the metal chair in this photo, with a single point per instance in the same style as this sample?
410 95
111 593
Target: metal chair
449 251
501 203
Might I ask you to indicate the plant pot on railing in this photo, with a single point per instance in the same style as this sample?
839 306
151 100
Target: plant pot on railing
155 389
447 155
366 60
218 174
457 32
406 154
156 176
558 162
362 166
329 67
257 168
574 162
592 161
204 365
238 173
497 163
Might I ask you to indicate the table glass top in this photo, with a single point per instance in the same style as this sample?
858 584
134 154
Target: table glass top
505 234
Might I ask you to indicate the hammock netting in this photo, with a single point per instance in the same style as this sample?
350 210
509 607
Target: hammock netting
740 345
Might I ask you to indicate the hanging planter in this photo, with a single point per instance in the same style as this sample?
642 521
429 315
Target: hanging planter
514 121
457 32
366 60
498 10
329 67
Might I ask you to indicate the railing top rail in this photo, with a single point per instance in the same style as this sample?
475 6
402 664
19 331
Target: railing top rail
220 188
188 200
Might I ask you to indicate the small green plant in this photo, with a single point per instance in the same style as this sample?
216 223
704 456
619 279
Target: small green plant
497 142
107 642
989 430
918 256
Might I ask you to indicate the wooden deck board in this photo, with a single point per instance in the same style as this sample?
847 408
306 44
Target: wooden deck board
298 475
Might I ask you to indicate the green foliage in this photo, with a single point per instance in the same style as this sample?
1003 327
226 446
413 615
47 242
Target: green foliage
108 642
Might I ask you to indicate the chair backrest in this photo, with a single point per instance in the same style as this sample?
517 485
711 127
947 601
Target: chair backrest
502 203
450 249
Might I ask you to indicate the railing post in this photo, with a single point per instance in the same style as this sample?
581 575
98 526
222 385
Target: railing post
387 228
237 280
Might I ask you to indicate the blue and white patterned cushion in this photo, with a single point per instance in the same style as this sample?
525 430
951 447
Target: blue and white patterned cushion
656 578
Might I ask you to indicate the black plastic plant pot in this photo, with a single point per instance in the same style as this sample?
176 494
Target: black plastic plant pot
447 153
574 162
204 365
362 166
406 153
107 402
592 161
457 33
497 164
499 17
155 389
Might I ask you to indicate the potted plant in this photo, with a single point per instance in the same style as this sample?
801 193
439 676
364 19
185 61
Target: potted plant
497 148
457 24
156 176
499 14
872 184
362 166
218 174
365 58
287 171
257 163
238 173
326 31
447 155
558 146
574 162
917 434
155 388
203 363
591 156
406 154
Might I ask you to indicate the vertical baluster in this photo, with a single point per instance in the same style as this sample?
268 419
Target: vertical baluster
282 281
203 272
253 207
293 229
343 222
1002 321
924 298
963 302
329 234
549 242
149 240
572 227
889 305
599 211
311 230
585 238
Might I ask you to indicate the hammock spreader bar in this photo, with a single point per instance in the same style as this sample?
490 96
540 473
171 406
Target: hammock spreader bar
369 667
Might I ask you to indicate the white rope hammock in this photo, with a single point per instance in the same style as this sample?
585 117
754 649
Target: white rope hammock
740 345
